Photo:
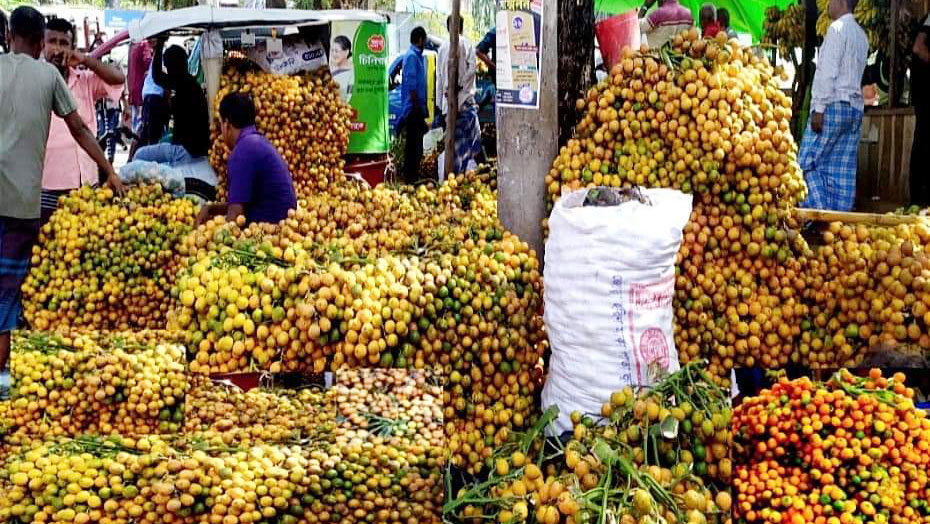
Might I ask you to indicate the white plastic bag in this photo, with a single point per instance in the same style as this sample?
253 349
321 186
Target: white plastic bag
610 280
441 166
143 172
431 140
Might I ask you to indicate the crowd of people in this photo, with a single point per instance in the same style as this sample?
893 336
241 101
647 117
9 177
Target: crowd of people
413 122
48 142
671 18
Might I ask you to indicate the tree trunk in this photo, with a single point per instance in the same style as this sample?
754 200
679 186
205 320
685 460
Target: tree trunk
576 59
452 87
806 74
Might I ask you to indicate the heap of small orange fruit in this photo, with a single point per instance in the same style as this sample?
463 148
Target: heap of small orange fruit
105 261
866 287
423 277
302 115
852 450
707 117
661 453
257 456
73 385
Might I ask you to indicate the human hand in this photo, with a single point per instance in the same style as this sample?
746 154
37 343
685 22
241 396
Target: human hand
116 184
203 215
817 122
74 58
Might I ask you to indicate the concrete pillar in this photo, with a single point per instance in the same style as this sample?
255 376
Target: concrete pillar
527 142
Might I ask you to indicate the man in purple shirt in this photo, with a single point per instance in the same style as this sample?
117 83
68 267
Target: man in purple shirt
260 185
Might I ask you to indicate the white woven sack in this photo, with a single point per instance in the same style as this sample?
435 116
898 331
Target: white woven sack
610 278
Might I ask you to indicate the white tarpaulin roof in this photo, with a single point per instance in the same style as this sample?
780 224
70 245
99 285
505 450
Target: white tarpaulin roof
208 17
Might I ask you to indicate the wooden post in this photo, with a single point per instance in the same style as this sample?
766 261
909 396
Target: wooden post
527 141
576 60
852 217
452 86
894 86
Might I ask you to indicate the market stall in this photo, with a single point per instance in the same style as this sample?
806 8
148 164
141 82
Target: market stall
676 254
277 40
638 439
142 321
139 320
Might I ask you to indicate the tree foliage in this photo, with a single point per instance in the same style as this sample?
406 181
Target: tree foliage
483 14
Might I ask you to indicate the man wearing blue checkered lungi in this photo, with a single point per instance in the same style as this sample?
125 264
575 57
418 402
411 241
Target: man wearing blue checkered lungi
467 137
831 140
828 158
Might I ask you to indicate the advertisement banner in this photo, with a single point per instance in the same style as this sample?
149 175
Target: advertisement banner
118 19
358 57
519 43
296 56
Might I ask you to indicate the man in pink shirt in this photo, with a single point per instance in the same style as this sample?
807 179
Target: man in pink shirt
140 57
67 166
664 23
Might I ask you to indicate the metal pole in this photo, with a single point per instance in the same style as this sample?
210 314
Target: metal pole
452 93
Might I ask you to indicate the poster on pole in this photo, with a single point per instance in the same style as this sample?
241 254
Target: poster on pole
358 62
519 46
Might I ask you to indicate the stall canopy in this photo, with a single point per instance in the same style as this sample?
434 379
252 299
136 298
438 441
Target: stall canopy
204 17
219 26
746 16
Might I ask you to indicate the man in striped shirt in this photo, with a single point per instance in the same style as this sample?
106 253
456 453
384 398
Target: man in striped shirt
664 23
831 140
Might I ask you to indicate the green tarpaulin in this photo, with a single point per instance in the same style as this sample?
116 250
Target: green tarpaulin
746 16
